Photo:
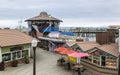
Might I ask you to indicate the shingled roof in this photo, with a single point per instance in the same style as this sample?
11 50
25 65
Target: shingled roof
13 37
70 43
109 48
87 45
43 16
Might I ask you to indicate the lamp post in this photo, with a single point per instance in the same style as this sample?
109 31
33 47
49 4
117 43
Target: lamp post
119 54
119 64
34 45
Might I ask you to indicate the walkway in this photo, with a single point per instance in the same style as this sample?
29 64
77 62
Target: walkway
46 65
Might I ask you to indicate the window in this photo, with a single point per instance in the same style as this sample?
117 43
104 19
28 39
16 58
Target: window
96 59
24 53
6 57
111 61
16 48
14 55
19 54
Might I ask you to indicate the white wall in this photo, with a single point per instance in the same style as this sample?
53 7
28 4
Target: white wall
29 53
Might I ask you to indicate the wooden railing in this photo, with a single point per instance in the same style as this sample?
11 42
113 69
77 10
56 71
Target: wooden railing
96 67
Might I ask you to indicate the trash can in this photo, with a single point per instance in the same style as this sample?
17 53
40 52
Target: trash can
2 66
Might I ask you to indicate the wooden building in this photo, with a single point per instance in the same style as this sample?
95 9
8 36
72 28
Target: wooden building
103 59
105 37
50 44
43 24
40 26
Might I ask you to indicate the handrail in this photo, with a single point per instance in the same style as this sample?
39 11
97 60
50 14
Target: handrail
103 67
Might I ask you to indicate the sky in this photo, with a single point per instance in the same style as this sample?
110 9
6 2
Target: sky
74 13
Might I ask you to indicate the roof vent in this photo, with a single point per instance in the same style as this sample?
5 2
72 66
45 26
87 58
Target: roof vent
43 14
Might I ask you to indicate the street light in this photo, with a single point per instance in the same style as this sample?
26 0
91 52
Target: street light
34 45
119 54
119 64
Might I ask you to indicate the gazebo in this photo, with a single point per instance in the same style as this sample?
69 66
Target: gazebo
42 24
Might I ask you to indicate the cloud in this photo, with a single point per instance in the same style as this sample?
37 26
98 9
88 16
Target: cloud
94 11
83 22
12 23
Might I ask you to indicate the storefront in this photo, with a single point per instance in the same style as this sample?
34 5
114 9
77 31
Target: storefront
14 46
101 55
102 58
18 52
50 44
15 52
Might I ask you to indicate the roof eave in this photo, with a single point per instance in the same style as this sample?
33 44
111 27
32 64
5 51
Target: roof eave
14 45
43 20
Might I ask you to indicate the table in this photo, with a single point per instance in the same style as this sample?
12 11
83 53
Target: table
77 68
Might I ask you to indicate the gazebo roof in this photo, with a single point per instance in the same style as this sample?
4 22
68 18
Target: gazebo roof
43 17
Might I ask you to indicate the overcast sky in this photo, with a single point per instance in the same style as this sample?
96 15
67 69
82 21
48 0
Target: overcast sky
72 12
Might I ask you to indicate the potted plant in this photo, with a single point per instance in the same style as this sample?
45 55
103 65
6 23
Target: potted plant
14 63
26 59
2 67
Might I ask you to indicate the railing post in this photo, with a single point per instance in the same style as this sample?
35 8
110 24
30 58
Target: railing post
100 61
92 58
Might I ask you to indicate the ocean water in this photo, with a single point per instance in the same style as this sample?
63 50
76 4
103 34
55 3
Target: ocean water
88 37
92 38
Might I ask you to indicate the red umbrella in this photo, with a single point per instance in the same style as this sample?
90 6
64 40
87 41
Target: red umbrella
66 52
60 49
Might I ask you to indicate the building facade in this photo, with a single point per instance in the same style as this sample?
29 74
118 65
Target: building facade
102 60
40 26
14 45
16 52
43 24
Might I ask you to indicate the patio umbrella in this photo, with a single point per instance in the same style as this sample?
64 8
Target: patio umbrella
59 49
65 52
78 55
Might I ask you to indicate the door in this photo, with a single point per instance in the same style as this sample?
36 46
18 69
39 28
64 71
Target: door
103 58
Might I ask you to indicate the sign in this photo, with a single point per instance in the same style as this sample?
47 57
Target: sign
72 59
